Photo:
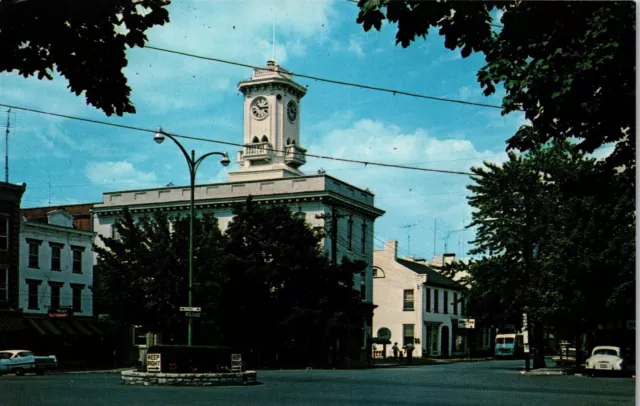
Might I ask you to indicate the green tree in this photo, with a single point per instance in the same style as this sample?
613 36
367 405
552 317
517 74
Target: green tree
79 39
559 230
284 301
570 66
142 274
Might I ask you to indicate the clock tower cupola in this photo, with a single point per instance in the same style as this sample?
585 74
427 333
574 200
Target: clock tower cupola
271 125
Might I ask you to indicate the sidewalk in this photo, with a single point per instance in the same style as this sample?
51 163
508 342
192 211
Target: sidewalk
402 362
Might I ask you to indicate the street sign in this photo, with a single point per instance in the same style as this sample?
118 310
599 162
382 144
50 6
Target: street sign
236 362
384 333
154 363
466 323
192 314
190 309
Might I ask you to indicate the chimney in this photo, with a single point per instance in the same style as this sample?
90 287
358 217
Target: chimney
392 245
448 259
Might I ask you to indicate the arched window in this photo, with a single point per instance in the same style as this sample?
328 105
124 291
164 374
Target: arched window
288 141
378 273
293 142
255 140
265 139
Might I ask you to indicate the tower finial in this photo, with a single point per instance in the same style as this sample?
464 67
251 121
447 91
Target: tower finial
273 57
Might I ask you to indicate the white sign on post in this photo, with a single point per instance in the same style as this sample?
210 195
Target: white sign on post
154 362
236 362
466 323
190 309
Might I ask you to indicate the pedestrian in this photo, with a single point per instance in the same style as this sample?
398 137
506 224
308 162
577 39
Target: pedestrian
409 348
395 350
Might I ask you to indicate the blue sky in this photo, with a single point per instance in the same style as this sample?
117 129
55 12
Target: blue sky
65 161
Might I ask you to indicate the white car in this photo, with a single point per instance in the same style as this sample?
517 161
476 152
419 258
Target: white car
605 359
21 361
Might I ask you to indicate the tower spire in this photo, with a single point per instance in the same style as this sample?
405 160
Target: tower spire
273 42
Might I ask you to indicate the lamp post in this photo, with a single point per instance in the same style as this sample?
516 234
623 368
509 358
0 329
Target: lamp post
193 168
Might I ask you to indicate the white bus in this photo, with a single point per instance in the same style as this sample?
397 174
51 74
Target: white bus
509 345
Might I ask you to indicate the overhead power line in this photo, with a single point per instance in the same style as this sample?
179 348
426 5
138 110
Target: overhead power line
319 79
153 131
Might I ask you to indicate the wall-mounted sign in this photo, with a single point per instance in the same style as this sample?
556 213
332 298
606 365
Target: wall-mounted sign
384 333
190 309
154 362
466 323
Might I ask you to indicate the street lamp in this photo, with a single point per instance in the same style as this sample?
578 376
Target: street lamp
193 163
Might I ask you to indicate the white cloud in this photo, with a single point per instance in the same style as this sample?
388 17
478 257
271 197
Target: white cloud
355 46
406 195
121 172
465 92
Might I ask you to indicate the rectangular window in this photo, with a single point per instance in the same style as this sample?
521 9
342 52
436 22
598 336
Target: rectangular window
363 288
77 261
364 237
436 304
350 233
445 304
4 285
455 303
408 300
77 299
33 295
428 304
407 334
34 254
4 233
56 251
55 297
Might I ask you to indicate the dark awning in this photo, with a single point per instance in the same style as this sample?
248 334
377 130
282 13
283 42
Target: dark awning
94 328
40 329
50 326
64 327
12 323
81 327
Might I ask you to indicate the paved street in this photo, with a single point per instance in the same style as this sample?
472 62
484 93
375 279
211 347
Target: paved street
482 383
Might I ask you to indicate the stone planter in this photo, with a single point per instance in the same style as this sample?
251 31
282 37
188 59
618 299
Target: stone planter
173 379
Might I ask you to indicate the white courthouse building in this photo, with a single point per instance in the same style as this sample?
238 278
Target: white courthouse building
417 304
270 171
56 267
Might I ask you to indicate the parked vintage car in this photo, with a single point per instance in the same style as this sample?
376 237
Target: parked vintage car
23 361
605 358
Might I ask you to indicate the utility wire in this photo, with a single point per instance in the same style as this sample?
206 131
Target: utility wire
319 79
147 130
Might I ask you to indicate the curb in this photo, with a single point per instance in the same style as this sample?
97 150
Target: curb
107 371
543 373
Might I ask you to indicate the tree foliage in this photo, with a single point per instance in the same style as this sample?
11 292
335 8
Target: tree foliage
570 66
85 41
265 286
559 231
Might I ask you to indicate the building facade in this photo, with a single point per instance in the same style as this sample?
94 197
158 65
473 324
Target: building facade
270 173
418 305
56 267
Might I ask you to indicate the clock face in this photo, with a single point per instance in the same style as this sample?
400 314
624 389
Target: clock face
260 108
292 111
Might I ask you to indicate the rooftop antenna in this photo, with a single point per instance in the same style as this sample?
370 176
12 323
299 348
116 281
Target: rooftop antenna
408 226
6 148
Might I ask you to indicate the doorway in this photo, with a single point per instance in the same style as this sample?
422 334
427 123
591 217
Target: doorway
444 341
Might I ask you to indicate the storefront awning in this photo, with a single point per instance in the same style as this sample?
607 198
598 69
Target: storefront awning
36 326
64 327
80 326
49 325
11 323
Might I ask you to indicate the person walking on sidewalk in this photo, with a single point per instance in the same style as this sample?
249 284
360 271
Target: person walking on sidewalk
409 348
395 350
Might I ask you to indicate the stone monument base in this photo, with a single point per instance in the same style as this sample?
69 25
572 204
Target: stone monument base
191 379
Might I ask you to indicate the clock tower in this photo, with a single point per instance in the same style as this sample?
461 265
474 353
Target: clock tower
271 126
